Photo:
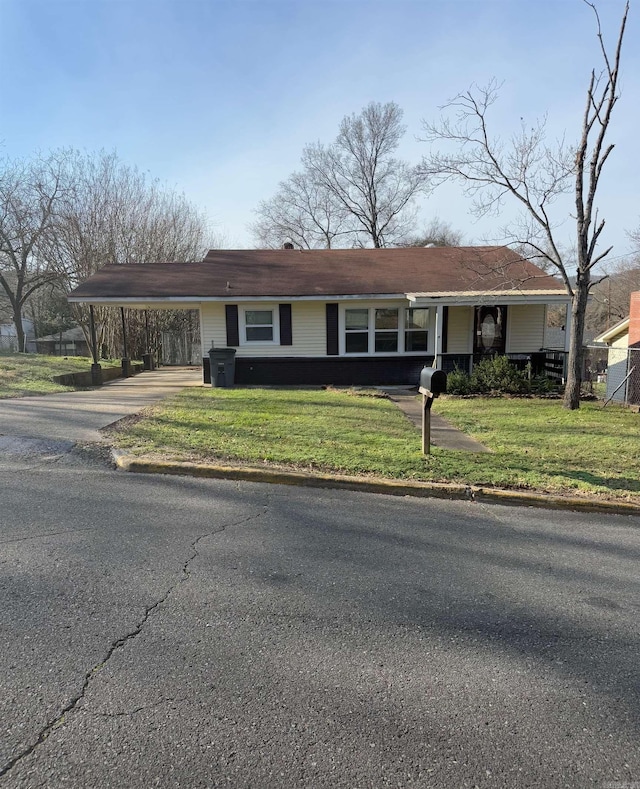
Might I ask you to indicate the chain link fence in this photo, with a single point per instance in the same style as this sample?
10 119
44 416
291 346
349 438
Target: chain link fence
633 384
8 344
623 375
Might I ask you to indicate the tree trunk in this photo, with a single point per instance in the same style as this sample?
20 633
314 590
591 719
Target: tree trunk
17 322
576 349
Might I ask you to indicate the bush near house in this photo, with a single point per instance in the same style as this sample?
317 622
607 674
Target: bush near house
498 376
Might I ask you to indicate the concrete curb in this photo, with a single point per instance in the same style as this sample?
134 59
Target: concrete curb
389 487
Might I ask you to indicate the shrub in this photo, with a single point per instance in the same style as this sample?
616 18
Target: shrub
543 385
458 382
500 376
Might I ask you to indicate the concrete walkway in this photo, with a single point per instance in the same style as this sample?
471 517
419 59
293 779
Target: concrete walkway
78 416
443 434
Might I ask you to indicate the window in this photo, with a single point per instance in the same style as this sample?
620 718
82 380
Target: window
258 325
385 330
356 329
416 322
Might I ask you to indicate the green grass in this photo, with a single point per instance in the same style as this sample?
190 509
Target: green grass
23 374
535 444
540 444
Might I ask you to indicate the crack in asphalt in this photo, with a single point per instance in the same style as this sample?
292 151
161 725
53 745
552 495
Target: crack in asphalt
46 534
142 708
121 642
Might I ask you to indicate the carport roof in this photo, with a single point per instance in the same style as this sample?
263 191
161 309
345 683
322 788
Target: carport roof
236 274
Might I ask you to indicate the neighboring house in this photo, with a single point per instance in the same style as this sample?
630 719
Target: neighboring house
356 316
70 342
9 336
620 360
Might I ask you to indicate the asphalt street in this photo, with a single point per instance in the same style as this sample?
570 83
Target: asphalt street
176 632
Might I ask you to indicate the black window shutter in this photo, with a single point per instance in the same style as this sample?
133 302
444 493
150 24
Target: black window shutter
332 329
286 337
233 334
445 328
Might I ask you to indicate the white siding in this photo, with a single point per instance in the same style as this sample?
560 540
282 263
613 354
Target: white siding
309 332
622 340
213 329
525 328
459 332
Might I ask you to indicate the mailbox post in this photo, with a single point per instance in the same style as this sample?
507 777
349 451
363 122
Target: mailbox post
432 384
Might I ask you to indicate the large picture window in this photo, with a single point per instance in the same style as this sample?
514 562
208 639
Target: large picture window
385 330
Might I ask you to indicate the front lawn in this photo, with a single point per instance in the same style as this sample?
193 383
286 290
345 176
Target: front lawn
535 444
23 374
538 443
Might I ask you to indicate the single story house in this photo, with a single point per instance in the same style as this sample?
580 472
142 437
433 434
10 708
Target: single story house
70 342
346 316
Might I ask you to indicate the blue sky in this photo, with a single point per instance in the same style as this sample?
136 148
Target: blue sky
218 97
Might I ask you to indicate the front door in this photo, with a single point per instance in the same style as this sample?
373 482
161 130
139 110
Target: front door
489 337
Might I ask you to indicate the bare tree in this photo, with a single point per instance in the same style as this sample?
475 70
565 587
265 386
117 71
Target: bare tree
610 296
359 170
31 192
302 212
353 192
435 234
534 174
112 213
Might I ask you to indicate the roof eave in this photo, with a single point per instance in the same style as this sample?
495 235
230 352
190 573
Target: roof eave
494 297
613 332
191 302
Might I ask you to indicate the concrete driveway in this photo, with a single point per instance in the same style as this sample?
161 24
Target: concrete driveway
78 416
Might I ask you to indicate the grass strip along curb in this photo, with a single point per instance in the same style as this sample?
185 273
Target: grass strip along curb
387 487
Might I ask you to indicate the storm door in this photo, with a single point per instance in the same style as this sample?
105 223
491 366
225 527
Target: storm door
490 329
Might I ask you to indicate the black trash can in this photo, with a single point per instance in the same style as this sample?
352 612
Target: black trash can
222 363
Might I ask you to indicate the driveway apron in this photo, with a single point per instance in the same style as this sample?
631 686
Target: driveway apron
78 416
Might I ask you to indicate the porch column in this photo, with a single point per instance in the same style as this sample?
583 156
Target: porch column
437 350
205 374
96 369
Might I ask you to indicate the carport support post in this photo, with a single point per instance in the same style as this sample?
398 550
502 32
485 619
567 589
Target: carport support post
147 357
96 369
427 402
126 364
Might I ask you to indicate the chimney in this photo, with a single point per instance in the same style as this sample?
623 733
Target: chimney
634 320
287 245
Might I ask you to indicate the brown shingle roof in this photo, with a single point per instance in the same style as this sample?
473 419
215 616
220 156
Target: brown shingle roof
232 274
